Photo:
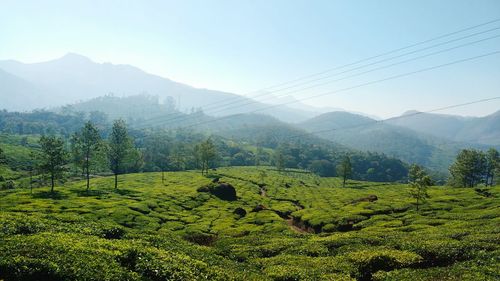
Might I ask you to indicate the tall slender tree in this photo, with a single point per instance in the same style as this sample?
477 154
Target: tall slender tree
87 144
119 146
3 158
207 154
344 169
419 182
280 161
52 158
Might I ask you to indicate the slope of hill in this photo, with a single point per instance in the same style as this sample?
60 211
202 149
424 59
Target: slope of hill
290 226
364 133
481 130
17 93
75 78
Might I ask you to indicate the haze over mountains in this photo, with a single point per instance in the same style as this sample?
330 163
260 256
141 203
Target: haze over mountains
428 139
74 78
412 141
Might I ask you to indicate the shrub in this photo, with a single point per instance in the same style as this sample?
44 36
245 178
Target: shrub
373 260
223 191
10 184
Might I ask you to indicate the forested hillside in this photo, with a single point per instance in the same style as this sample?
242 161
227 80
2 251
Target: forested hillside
367 134
481 130
239 141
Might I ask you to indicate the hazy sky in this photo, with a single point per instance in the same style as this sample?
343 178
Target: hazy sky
242 46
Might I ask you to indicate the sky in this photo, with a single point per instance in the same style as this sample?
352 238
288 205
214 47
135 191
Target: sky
245 46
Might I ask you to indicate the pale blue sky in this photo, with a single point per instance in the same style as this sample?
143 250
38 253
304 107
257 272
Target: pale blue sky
241 46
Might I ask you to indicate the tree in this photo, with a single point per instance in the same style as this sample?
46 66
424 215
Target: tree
492 166
322 168
177 157
3 158
86 146
119 146
262 176
344 169
52 157
419 181
207 153
468 169
280 161
156 151
31 169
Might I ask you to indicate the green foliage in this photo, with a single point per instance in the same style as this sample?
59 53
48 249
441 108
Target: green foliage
419 182
3 158
119 148
344 169
473 167
154 230
52 157
87 149
205 155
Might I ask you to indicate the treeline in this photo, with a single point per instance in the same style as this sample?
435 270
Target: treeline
173 150
473 167
42 122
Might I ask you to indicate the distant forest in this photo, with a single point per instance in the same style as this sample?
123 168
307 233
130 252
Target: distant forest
173 149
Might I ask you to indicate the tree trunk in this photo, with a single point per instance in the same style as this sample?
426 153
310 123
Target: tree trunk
116 180
31 181
52 182
88 178
162 177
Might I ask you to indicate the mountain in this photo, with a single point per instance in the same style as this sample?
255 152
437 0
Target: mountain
481 130
363 133
74 78
20 92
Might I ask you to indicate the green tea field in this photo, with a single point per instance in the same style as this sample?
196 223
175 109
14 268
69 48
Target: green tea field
278 226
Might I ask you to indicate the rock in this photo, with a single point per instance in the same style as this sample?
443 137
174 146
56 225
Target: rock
215 180
240 212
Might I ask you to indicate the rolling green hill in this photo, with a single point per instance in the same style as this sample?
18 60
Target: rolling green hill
482 130
366 134
290 226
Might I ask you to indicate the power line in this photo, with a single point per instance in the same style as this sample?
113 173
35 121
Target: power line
371 70
184 118
356 86
379 55
377 62
350 64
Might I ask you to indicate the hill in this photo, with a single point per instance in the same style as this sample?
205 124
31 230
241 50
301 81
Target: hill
291 226
363 133
73 78
480 130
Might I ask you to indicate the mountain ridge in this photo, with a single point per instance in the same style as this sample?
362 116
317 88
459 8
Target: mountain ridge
73 77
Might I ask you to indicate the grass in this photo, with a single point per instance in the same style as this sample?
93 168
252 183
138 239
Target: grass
306 228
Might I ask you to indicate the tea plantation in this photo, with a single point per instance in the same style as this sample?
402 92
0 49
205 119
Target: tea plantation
280 226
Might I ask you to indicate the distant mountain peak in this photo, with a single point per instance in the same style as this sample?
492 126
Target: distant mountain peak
410 112
75 58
